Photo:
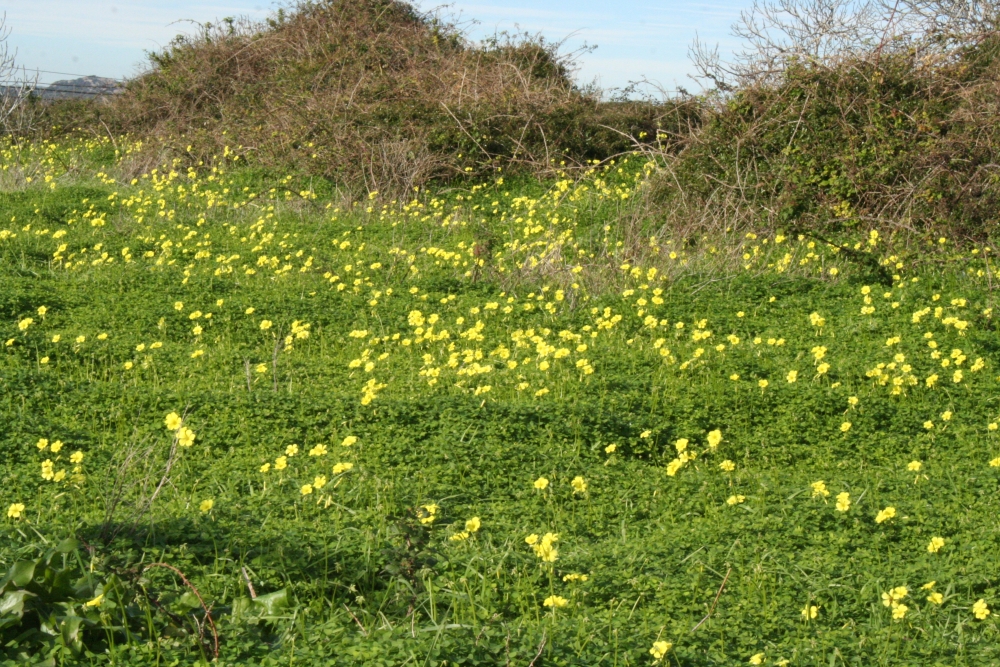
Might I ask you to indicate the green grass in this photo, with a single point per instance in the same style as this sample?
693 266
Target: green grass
364 581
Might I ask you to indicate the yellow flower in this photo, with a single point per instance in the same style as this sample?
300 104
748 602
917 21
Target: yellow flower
660 649
735 500
318 450
531 540
281 463
342 467
472 525
579 484
56 446
892 598
185 436
291 450
645 434
714 438
15 511
319 481
843 501
576 577
427 513
464 535
727 466
348 441
206 505
173 421
762 384
42 444
819 489
681 444
25 323
306 489
845 427
610 449
981 609
792 376
249 311
76 457
935 545
545 548
995 463
885 515
757 659
899 612
946 415
555 601
928 424
265 325
265 467
914 466
810 612
935 598
178 305
541 483
96 602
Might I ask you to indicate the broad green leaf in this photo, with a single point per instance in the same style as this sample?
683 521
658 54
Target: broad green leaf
274 602
70 631
13 603
67 545
22 572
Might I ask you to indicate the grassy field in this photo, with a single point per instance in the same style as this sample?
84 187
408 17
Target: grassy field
512 424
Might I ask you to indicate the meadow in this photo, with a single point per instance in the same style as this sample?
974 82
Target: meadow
248 420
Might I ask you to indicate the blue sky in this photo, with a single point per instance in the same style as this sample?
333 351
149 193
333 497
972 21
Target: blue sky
647 38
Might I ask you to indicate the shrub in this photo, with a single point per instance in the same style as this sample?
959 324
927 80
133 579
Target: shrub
901 141
372 94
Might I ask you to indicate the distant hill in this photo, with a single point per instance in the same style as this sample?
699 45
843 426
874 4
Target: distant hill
82 88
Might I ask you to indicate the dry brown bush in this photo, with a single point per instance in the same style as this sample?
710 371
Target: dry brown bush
373 95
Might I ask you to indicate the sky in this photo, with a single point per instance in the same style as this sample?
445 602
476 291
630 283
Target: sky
635 40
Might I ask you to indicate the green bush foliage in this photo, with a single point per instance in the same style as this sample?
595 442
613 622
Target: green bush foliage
902 142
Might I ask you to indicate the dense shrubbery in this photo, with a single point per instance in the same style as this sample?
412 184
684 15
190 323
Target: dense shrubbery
901 141
372 94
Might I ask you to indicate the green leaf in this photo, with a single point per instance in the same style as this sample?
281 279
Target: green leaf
22 572
69 630
274 602
189 600
67 545
13 603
